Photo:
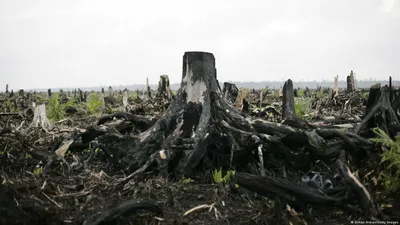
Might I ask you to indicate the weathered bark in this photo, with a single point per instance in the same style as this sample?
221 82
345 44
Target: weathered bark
336 86
294 193
364 197
142 122
40 118
288 111
196 120
379 110
164 90
350 82
241 101
230 92
113 215
395 100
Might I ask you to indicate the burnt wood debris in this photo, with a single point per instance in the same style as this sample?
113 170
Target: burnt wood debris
273 149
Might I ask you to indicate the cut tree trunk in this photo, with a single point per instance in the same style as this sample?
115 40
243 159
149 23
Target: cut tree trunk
336 86
110 91
40 117
230 92
381 112
288 111
241 101
125 99
198 126
164 90
350 82
148 90
82 95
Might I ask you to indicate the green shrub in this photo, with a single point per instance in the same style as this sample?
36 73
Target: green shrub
320 94
391 158
38 171
95 103
301 107
300 93
219 178
55 109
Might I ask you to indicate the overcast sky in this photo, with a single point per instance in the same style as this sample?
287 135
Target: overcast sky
69 43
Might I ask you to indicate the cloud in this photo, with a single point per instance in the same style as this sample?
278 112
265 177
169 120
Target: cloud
52 43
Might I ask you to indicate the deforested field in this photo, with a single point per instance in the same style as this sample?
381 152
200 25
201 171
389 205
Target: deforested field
203 154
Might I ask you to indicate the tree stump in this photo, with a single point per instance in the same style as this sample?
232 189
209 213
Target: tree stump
230 92
7 92
148 89
379 112
164 90
288 111
241 101
110 91
197 121
82 95
350 82
40 117
335 86
125 99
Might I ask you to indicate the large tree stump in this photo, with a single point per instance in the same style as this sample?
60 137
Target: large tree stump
288 111
350 82
164 90
196 122
380 112
230 92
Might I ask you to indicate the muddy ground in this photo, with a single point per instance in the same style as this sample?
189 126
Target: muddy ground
69 194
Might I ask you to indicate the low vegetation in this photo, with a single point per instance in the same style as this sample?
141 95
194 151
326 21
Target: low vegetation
390 160
95 104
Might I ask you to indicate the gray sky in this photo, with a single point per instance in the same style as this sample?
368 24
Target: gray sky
57 43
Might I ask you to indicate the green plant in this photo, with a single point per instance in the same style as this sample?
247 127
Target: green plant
95 103
301 107
391 158
38 171
364 95
10 106
187 180
133 95
28 156
300 93
320 94
219 178
55 109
